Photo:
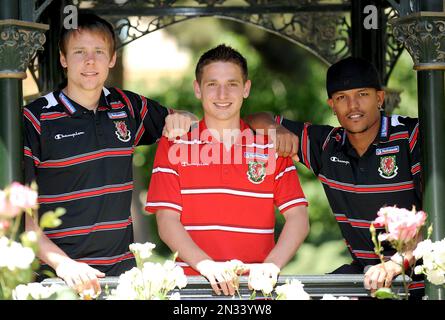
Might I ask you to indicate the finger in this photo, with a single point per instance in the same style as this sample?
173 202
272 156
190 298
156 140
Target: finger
99 274
168 123
294 151
186 124
176 122
222 284
96 286
388 279
367 278
214 285
288 147
278 146
230 284
381 279
69 282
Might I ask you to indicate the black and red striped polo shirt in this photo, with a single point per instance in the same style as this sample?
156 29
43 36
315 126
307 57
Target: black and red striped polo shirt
82 161
388 174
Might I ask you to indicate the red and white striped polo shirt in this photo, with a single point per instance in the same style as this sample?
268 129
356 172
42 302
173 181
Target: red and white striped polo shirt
227 207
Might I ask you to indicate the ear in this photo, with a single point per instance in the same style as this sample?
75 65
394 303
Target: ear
113 60
197 89
246 90
63 60
380 97
331 103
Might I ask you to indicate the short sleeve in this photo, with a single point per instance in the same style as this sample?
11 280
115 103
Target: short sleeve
32 148
164 191
287 189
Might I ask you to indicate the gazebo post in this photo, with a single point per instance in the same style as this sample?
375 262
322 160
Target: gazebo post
424 37
18 43
369 43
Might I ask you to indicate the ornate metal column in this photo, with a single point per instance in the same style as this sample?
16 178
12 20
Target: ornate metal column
423 33
19 40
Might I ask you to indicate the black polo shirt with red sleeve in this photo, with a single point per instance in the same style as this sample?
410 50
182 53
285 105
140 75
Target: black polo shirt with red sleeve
388 174
82 161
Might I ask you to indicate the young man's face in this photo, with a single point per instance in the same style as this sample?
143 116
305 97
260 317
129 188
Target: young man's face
222 90
88 60
357 109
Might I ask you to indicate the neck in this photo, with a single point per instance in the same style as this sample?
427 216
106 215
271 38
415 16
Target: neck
227 129
361 141
88 99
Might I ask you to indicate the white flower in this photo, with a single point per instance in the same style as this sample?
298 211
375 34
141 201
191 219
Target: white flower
14 256
433 256
152 282
292 290
175 296
436 277
261 283
422 247
332 297
142 250
35 291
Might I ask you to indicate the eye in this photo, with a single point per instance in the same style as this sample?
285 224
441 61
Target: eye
78 51
211 84
340 97
363 94
99 51
233 84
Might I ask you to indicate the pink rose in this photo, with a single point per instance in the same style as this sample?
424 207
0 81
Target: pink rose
401 224
22 196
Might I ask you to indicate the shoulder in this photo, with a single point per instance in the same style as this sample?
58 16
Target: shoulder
43 104
400 123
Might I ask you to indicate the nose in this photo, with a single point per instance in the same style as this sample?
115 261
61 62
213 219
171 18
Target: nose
90 58
353 102
222 92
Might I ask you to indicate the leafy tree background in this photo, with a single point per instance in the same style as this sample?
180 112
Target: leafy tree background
286 80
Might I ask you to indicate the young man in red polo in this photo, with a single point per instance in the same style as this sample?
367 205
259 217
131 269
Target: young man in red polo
214 190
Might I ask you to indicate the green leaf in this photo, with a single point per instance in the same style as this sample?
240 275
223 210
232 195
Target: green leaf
51 219
386 293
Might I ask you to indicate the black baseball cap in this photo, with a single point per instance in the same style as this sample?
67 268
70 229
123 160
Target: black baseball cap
352 73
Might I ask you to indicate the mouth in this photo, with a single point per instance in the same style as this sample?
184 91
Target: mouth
89 74
355 116
222 105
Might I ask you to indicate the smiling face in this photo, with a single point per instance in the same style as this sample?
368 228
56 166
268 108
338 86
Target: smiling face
221 90
87 59
357 110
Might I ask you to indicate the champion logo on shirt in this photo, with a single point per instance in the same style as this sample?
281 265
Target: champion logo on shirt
117 115
389 150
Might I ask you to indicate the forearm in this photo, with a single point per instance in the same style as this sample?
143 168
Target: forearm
295 230
261 120
173 233
48 252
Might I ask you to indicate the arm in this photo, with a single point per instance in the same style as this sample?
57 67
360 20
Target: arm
295 230
77 275
173 233
286 142
178 123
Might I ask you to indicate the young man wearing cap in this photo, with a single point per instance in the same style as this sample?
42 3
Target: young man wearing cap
371 161
214 190
79 144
